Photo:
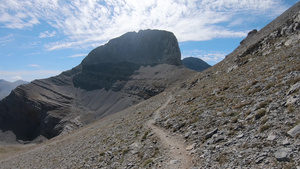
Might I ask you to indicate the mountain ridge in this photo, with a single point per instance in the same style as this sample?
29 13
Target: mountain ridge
97 87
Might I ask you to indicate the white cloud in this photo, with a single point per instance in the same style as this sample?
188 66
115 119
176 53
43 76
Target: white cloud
16 78
78 55
211 57
33 65
47 34
87 23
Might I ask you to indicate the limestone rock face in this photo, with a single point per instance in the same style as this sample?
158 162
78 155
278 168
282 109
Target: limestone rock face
120 57
146 47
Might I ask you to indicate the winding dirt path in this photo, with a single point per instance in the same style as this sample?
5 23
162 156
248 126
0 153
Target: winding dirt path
177 149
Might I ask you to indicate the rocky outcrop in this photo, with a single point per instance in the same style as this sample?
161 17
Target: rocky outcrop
196 64
121 73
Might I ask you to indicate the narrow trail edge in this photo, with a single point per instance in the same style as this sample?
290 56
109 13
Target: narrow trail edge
178 154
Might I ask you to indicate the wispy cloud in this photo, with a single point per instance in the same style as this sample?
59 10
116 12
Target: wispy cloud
16 78
77 55
31 54
34 65
26 72
47 34
5 39
211 57
28 75
87 23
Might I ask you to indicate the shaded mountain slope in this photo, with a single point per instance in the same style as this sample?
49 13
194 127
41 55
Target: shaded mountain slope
6 87
240 113
196 64
112 77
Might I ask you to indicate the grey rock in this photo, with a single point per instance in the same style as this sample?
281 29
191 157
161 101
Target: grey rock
271 137
282 154
219 138
294 131
175 161
240 136
186 135
249 117
292 100
195 132
260 159
285 142
135 148
294 88
211 133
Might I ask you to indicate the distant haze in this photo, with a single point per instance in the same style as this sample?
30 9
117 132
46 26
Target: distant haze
6 87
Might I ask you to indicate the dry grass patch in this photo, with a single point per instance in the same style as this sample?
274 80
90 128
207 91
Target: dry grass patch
242 104
264 127
260 113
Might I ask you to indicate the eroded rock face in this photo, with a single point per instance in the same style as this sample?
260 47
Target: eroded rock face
147 47
121 73
119 58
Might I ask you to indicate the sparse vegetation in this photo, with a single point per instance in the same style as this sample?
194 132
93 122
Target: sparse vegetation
242 104
264 127
145 136
148 162
222 158
260 113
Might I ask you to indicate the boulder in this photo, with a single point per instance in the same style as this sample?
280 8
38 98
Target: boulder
294 131
282 154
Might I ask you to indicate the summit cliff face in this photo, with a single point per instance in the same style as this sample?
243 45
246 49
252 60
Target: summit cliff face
146 47
121 73
119 58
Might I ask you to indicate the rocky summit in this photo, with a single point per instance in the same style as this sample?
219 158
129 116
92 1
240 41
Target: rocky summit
119 74
120 57
240 113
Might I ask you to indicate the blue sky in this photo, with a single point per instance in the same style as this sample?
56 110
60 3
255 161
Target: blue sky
42 38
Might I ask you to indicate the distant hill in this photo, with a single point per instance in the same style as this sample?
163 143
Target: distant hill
6 87
196 64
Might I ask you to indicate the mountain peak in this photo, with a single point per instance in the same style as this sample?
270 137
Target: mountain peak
146 47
